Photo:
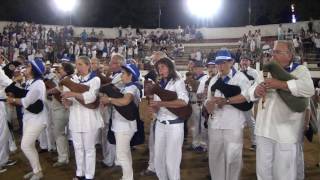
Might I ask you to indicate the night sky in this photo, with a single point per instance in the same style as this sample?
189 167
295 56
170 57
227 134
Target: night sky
144 13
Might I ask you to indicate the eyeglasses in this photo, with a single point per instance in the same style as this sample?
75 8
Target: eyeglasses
279 52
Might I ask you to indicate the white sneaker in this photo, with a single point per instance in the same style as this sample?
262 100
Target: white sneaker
37 176
28 175
59 164
2 169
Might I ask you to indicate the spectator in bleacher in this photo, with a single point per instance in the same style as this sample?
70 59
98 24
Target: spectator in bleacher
198 56
100 46
252 44
316 41
84 36
280 32
297 43
258 38
93 35
101 35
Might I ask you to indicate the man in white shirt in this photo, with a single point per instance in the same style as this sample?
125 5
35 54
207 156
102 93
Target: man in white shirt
316 41
4 130
199 134
252 75
277 126
198 55
226 122
109 150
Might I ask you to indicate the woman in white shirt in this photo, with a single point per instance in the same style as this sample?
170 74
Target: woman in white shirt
169 130
125 129
33 124
84 123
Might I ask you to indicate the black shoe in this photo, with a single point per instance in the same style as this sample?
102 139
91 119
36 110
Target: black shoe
209 177
147 172
103 165
253 148
79 178
10 163
42 151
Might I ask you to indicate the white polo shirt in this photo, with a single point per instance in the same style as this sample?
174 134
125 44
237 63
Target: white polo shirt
37 90
276 120
179 87
82 119
228 117
119 123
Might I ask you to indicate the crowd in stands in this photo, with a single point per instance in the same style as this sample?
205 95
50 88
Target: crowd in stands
35 40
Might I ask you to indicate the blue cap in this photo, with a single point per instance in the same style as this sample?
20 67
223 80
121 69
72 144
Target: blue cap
38 66
211 62
223 55
134 71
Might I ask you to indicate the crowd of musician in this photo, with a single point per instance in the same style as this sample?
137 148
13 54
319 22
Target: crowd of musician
93 101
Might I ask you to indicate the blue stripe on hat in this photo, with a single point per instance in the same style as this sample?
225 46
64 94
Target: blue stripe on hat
38 65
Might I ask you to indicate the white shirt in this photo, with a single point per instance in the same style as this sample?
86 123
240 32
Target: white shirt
276 121
228 117
198 56
4 82
100 45
37 90
316 42
179 87
82 119
254 73
202 84
23 47
119 123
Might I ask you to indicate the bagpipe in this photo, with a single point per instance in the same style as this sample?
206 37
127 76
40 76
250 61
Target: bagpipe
104 79
17 92
79 88
165 95
229 91
130 111
51 85
296 104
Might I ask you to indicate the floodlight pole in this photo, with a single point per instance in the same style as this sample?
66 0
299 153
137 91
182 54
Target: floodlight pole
159 14
70 18
249 11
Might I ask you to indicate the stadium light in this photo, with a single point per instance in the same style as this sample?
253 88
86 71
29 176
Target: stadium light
65 5
204 8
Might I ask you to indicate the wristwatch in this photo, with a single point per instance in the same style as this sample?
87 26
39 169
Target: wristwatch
228 100
109 99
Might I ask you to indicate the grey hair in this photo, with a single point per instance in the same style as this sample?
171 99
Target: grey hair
119 58
289 44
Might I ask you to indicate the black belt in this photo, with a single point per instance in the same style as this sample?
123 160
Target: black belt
195 102
176 121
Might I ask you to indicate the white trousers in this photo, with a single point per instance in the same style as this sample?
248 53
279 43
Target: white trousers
123 152
276 161
31 131
168 150
225 153
199 132
151 146
85 152
46 137
252 124
4 140
108 150
60 120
